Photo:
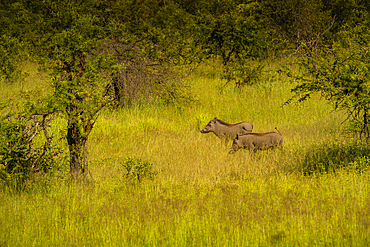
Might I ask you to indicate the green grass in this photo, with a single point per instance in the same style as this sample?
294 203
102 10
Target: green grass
202 196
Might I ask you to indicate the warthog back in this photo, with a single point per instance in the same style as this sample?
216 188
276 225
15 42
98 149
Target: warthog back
225 131
255 141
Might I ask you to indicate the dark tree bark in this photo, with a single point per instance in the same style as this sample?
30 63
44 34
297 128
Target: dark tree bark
77 143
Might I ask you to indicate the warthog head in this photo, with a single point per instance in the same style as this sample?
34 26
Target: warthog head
237 144
209 127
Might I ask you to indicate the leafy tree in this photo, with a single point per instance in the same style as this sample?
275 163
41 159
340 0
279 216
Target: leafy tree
230 31
340 74
298 22
150 67
235 33
87 50
69 46
80 91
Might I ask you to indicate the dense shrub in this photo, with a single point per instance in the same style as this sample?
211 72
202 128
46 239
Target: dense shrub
25 148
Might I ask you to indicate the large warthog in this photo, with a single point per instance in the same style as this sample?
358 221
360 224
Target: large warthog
225 131
256 141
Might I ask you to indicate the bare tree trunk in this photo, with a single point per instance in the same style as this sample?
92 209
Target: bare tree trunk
365 128
78 152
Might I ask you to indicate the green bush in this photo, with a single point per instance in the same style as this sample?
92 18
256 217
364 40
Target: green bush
137 170
23 150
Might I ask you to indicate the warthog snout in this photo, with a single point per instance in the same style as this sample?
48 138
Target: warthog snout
206 129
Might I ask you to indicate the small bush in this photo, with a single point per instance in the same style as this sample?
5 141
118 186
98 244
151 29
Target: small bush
137 170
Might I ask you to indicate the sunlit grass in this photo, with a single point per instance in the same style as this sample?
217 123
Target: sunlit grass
262 210
202 196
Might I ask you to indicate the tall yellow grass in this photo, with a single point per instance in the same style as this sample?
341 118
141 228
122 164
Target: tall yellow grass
202 196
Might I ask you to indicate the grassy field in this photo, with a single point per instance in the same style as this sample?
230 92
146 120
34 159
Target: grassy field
202 196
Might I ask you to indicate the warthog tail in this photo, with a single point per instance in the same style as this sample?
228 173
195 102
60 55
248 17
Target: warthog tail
278 130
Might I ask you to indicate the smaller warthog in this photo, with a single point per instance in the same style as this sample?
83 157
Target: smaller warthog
256 141
225 131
